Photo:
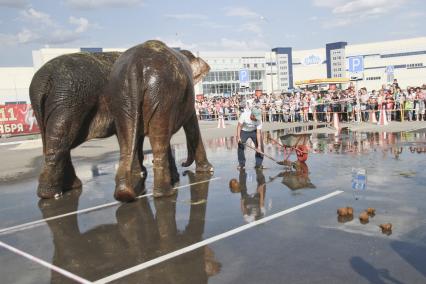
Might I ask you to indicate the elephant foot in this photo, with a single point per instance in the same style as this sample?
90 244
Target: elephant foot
47 191
204 167
124 193
164 192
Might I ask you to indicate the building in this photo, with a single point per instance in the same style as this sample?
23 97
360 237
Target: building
278 70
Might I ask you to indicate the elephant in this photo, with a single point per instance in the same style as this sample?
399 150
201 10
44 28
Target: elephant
150 93
66 95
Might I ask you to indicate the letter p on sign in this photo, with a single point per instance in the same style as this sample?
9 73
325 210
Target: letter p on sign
356 64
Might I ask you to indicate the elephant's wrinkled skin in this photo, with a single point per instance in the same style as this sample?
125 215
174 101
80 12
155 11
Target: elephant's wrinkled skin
151 94
66 95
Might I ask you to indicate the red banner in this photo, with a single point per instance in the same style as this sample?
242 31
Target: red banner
17 120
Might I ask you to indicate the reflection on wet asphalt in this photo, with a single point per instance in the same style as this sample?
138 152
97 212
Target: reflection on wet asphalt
381 170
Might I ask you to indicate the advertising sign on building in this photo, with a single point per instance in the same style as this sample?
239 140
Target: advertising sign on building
312 59
17 119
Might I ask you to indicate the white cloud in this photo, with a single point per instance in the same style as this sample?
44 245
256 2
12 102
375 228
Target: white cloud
351 12
413 15
61 36
253 28
367 6
96 4
328 3
186 16
22 37
234 45
41 28
241 12
360 6
82 24
177 43
36 17
26 36
405 33
213 25
337 22
18 4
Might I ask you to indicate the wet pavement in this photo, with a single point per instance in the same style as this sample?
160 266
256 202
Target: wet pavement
279 225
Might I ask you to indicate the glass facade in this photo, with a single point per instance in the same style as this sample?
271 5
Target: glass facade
223 83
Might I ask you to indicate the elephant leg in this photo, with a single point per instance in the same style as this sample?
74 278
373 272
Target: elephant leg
195 146
127 130
58 174
173 169
161 164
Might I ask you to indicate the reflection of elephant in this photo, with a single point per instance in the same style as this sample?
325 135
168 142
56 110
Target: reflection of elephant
141 233
66 97
151 94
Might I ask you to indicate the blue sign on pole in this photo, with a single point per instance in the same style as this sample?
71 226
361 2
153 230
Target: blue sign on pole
244 77
356 64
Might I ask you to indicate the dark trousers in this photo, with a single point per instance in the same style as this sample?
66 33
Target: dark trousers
244 135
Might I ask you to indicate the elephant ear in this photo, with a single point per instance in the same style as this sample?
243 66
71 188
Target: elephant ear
199 67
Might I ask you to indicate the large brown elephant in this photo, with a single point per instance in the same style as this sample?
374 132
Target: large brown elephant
66 95
151 94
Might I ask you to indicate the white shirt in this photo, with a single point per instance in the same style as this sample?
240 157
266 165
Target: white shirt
248 124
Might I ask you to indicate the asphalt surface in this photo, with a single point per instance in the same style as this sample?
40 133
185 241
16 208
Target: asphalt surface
278 226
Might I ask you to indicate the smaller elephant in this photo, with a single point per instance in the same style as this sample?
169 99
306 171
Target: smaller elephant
151 94
66 95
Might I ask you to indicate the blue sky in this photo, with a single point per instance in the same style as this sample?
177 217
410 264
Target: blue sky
214 25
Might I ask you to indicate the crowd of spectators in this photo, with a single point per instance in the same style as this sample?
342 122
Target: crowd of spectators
318 106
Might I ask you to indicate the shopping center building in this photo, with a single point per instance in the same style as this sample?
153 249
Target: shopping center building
278 70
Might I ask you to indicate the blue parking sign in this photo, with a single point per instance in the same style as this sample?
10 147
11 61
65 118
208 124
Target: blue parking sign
356 64
244 76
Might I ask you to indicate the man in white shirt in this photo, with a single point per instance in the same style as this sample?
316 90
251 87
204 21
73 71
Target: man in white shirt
250 126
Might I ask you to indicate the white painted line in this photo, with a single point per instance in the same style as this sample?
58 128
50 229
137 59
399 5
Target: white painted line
45 264
38 222
21 142
10 143
195 246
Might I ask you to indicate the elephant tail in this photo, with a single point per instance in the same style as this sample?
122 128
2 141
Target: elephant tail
189 161
39 89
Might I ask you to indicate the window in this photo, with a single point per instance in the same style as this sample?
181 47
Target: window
372 78
403 54
414 65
